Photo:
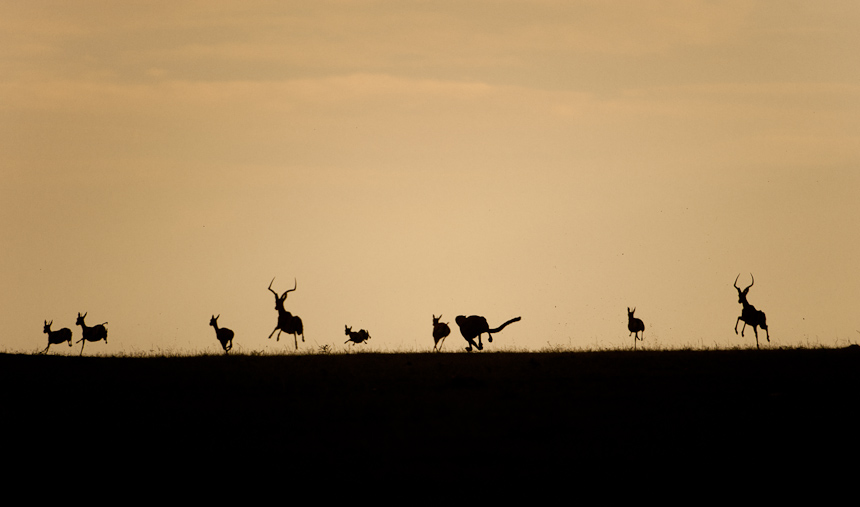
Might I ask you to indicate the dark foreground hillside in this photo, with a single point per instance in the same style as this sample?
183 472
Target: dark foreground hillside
484 413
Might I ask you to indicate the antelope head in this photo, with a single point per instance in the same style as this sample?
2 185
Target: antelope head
279 300
80 321
742 294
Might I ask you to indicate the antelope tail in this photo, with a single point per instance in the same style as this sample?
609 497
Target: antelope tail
515 319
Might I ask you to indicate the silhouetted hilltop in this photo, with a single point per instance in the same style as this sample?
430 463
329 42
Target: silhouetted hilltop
429 410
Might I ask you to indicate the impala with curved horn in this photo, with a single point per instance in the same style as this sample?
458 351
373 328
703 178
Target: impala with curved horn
473 326
56 337
749 314
287 322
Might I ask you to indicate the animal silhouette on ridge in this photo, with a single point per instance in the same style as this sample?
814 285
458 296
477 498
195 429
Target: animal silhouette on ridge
90 334
355 336
224 335
635 326
440 331
287 322
473 326
56 337
749 314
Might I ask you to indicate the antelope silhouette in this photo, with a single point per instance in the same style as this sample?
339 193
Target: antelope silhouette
287 322
90 334
635 326
224 335
473 326
440 331
749 314
56 337
355 336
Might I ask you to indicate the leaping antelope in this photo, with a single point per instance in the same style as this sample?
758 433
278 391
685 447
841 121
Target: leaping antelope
90 334
355 336
749 314
224 335
287 322
440 331
635 326
473 326
56 337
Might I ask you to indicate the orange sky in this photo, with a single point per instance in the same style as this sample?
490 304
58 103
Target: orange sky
555 160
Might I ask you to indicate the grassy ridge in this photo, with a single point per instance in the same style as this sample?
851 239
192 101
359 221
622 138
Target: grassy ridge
428 410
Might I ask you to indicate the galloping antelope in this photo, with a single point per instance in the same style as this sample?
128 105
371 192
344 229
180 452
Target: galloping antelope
224 335
749 314
56 337
440 331
473 326
355 336
90 334
287 322
635 326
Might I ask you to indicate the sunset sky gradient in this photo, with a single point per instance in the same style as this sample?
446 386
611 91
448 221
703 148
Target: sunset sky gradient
556 160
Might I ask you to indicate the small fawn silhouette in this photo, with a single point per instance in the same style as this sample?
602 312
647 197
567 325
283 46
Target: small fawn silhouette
440 331
224 335
635 326
90 334
355 336
56 337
